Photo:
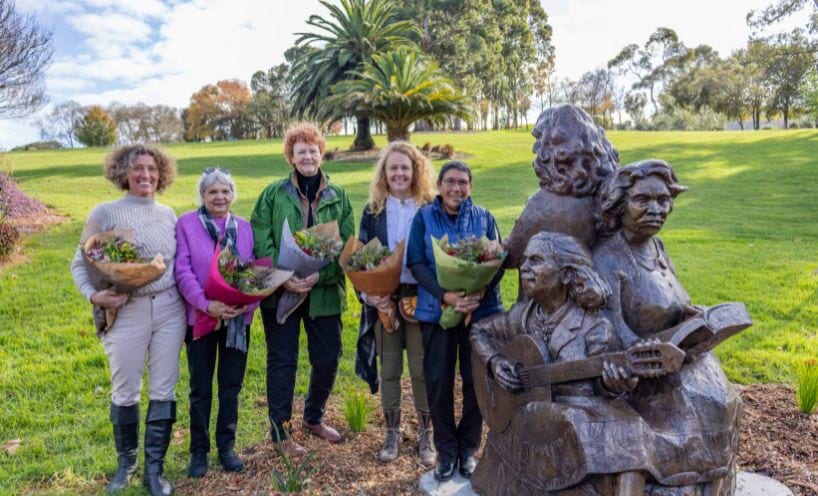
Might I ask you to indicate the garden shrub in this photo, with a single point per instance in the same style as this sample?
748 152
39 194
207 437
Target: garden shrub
447 150
9 235
682 119
39 145
13 202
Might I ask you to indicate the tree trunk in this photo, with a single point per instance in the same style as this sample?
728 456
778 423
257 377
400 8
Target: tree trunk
397 133
363 138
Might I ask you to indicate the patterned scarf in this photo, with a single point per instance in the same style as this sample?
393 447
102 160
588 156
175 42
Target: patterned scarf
236 330
231 232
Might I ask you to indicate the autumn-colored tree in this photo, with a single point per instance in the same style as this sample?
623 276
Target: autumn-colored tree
218 112
96 127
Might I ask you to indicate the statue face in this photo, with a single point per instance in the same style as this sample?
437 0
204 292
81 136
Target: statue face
647 206
540 275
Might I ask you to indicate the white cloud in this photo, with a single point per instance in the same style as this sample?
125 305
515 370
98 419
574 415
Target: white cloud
66 84
142 8
109 30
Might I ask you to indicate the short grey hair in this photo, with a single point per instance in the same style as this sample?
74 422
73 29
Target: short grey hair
211 176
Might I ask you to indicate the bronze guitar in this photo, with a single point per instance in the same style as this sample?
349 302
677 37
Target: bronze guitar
497 404
695 335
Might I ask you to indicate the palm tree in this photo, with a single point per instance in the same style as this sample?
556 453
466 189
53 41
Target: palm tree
399 88
355 31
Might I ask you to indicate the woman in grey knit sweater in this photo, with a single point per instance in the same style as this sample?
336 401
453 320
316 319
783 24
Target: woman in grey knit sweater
150 321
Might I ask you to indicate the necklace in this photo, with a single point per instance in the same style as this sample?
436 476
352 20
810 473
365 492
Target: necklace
651 261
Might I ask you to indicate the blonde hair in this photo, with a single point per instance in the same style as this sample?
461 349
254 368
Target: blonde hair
423 189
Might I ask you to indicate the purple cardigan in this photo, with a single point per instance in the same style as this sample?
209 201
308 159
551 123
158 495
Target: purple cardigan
194 251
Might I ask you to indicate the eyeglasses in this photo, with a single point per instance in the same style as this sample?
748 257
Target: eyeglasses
451 183
211 170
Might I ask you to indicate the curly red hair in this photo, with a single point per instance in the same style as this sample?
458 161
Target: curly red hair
305 132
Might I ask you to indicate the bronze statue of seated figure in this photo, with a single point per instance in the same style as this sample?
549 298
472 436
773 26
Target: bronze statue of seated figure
603 382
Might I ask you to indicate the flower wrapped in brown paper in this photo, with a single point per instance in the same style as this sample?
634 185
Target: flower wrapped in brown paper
122 277
381 280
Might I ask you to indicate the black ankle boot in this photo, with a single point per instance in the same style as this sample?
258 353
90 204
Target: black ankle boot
160 419
230 461
125 420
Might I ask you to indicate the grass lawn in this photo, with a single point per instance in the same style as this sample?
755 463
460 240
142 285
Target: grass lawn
745 231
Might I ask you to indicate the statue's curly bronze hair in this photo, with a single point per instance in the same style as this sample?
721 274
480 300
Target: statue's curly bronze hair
568 133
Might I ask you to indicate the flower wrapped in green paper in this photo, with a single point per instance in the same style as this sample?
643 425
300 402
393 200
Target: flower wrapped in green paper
467 265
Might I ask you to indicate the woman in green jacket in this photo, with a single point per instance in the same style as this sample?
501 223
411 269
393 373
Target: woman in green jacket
304 199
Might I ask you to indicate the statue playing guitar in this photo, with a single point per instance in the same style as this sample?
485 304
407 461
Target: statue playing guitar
554 386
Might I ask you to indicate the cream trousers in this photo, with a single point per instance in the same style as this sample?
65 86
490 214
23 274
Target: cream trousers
152 326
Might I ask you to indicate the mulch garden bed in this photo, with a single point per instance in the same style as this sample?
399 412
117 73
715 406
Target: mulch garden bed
776 440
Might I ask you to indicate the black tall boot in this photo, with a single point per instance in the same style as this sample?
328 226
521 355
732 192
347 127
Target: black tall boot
160 419
125 420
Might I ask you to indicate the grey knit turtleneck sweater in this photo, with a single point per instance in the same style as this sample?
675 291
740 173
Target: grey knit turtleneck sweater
154 227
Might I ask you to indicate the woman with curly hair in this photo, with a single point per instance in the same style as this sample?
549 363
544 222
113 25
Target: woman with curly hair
304 198
150 321
402 183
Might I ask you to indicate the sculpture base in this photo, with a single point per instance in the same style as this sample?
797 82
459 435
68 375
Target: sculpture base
747 484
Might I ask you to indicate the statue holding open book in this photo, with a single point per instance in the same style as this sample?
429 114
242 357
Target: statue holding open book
603 380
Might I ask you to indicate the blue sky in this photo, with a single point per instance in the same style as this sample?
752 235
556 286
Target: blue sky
161 51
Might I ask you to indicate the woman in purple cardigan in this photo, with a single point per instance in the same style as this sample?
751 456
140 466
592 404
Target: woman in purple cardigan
197 233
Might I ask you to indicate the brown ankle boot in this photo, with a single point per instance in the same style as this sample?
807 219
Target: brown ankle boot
426 450
391 442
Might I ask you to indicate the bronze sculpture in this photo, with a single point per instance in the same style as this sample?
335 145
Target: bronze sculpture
572 157
603 383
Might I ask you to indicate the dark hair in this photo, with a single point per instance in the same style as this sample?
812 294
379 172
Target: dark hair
585 286
566 130
614 190
456 165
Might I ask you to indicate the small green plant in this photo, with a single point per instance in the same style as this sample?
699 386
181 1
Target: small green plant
357 410
807 374
296 473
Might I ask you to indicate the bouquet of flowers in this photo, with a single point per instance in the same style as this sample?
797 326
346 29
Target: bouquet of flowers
235 282
303 253
113 261
467 265
374 269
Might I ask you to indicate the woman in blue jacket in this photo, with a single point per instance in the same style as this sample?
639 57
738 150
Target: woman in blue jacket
453 213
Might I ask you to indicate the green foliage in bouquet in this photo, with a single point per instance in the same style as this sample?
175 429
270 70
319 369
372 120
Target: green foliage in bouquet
473 249
116 250
316 246
368 257
243 276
